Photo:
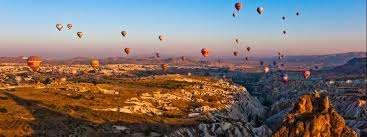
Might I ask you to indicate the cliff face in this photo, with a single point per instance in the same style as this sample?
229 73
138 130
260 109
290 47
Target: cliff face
313 115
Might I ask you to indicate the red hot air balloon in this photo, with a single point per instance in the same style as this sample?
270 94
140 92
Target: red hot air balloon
238 6
127 51
306 74
205 52
34 62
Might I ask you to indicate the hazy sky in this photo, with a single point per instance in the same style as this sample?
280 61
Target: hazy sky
324 26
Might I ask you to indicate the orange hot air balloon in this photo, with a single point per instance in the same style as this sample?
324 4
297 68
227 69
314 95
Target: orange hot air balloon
162 37
95 64
127 51
238 6
34 62
235 53
248 49
165 67
266 70
306 74
205 52
260 10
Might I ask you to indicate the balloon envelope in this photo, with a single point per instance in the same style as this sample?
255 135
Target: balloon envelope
70 26
80 34
235 53
284 77
59 26
127 51
306 74
238 6
165 67
266 70
95 64
260 10
205 52
162 37
34 62
124 33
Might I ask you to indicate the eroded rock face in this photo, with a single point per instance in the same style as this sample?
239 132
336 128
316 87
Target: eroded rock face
313 115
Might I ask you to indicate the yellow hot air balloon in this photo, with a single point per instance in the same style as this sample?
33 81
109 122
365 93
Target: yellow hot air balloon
95 64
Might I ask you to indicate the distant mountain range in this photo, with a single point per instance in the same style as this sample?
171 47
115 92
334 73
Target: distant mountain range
353 66
322 60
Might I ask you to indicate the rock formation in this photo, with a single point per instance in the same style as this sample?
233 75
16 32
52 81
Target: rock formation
314 116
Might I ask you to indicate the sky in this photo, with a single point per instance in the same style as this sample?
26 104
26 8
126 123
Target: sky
323 27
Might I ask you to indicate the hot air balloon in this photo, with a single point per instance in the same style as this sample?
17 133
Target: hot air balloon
260 10
306 74
266 70
34 62
69 26
59 26
261 63
248 49
205 52
238 6
124 33
283 18
162 38
284 77
157 55
274 63
74 71
235 53
95 64
80 34
165 67
127 51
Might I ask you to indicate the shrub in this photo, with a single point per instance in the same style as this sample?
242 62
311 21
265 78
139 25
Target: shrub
3 110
